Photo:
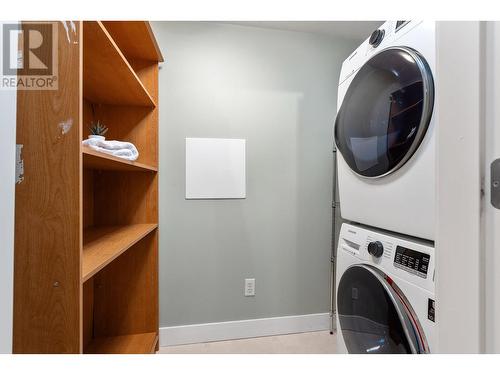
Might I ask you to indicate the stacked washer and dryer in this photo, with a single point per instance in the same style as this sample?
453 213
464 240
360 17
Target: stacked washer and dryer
384 134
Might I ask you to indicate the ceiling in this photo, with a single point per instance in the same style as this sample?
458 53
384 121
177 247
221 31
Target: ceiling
354 30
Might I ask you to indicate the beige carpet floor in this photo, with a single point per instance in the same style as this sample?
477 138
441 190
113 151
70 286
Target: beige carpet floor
320 342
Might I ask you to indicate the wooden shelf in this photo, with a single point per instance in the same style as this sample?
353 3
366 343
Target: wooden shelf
101 245
107 76
99 160
142 343
135 39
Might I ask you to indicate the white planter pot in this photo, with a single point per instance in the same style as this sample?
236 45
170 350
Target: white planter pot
99 137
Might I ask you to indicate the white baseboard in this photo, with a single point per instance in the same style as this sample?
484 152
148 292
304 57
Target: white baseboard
241 329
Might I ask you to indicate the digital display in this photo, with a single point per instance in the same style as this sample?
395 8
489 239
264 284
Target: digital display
412 261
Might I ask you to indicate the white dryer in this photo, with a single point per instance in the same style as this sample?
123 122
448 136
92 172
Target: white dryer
384 130
385 293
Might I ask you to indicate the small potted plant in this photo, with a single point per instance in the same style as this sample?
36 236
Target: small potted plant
97 130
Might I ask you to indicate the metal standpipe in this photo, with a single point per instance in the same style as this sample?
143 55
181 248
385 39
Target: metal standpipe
336 221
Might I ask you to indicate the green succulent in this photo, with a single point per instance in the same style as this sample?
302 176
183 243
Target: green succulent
96 128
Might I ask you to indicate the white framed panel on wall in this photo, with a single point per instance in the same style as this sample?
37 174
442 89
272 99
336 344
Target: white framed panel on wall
215 168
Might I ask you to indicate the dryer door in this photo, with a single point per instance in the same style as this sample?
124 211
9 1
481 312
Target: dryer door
373 318
385 112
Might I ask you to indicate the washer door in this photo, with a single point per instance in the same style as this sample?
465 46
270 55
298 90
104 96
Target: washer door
385 112
372 317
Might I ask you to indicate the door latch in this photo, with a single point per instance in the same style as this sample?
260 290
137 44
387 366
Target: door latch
495 183
19 164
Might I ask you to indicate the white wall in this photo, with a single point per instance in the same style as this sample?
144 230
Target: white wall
7 172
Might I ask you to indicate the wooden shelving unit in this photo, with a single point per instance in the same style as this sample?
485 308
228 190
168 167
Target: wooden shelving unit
97 160
126 36
143 343
86 242
108 77
102 245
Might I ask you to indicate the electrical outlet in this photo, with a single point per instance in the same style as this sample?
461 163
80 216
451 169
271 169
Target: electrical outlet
249 287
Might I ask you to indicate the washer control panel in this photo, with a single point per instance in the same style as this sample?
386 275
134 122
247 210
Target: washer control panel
412 261
401 258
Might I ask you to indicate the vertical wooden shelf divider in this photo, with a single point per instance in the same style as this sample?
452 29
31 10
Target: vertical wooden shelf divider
86 233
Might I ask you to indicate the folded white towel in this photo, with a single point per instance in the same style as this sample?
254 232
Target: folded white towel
124 150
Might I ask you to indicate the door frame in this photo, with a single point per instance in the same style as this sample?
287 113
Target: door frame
468 83
491 214
8 103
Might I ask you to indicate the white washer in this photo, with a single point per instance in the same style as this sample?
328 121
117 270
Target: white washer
385 293
384 130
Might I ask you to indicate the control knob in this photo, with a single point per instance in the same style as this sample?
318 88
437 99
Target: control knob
376 37
376 249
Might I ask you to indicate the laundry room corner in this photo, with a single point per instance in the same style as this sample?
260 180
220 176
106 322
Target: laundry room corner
272 88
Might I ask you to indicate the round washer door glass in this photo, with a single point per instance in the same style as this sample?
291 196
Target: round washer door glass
385 112
371 320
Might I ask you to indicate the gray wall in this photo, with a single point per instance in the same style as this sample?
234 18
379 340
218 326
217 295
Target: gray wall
276 89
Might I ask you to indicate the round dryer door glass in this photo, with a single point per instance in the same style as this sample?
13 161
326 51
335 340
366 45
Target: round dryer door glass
371 317
385 112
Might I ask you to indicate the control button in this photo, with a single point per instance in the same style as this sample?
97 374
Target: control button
376 37
376 249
